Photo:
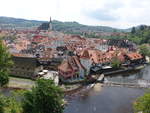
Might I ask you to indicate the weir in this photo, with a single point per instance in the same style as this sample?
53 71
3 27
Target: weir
138 84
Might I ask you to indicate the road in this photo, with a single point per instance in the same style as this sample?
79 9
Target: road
20 83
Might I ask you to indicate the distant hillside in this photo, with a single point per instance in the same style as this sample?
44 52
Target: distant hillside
8 22
70 27
76 27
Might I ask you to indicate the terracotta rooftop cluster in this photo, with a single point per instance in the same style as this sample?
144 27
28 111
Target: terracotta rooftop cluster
45 43
97 56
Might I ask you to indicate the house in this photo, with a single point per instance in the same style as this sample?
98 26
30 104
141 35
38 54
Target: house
95 59
99 57
102 61
52 75
48 53
122 44
134 58
85 60
71 69
50 63
25 66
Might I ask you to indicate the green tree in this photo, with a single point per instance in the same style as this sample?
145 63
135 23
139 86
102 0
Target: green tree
133 30
115 63
144 50
4 78
5 63
2 103
142 27
139 35
12 105
9 105
142 104
45 97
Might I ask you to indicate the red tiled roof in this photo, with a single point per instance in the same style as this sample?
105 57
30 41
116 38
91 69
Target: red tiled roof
65 67
134 56
98 57
21 55
78 63
85 54
121 57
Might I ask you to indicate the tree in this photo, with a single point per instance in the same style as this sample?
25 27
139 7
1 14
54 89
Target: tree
2 103
45 97
12 105
142 27
144 50
133 30
115 62
5 63
140 35
9 105
4 78
142 104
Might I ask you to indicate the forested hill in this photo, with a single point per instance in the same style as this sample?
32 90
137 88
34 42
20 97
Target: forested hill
9 22
140 34
76 27
69 27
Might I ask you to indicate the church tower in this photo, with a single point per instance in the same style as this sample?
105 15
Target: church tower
50 25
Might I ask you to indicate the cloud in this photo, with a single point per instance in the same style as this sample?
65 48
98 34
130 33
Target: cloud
102 15
104 10
119 13
114 13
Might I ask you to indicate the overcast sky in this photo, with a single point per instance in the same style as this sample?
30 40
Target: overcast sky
114 13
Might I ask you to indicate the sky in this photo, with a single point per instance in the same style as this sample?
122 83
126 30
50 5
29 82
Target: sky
113 13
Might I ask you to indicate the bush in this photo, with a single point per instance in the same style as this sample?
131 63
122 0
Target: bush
142 104
45 97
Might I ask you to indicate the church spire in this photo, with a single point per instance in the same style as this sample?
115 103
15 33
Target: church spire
50 24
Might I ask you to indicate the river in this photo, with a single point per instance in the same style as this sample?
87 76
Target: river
106 99
109 99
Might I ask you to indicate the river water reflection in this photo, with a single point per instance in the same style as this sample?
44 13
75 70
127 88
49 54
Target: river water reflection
109 99
144 74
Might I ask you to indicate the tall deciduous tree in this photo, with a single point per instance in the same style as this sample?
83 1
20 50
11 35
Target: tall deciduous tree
45 97
145 50
5 63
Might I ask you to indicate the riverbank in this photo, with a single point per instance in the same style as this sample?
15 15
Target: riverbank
16 83
23 83
120 70
69 88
